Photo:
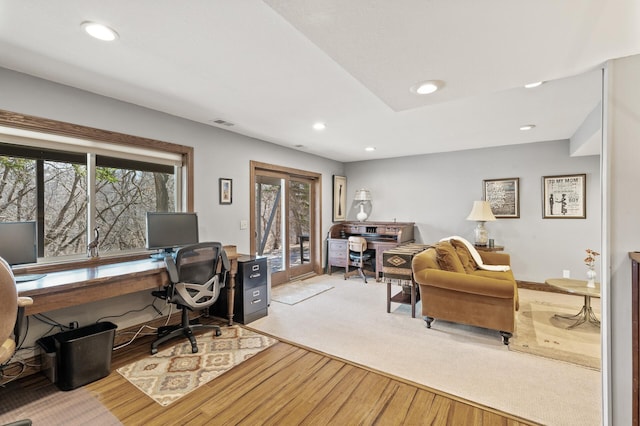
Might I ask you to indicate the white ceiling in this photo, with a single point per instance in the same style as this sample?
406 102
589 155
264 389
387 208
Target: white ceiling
274 67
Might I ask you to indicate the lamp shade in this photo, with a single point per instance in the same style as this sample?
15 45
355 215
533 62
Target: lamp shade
481 211
362 195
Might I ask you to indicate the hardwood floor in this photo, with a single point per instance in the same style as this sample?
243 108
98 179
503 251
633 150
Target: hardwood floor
289 385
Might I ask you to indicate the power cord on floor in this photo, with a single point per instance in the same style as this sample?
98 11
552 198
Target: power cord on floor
144 326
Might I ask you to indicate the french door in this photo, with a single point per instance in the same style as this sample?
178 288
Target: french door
283 222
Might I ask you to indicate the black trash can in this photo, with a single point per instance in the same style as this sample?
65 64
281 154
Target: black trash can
83 355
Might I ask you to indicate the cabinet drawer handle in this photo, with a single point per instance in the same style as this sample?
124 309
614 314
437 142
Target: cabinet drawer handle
254 275
253 302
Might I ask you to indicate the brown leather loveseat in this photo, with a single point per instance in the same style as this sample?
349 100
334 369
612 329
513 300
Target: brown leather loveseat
453 287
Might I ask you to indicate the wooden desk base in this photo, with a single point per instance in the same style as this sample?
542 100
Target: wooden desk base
338 252
59 290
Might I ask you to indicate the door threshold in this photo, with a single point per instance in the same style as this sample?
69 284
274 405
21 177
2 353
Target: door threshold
303 277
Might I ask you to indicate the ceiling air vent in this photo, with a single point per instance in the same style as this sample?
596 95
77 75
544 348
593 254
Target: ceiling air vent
223 122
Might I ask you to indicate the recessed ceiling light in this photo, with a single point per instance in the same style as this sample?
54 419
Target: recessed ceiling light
527 127
319 126
370 148
99 31
532 85
427 87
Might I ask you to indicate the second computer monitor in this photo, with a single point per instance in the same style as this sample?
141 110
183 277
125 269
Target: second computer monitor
167 231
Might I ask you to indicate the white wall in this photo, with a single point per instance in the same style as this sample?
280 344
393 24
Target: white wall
624 223
437 191
218 153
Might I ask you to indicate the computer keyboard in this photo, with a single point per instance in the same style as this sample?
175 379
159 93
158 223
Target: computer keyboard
28 277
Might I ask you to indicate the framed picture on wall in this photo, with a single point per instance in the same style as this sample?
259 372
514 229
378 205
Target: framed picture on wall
226 190
339 198
504 197
564 197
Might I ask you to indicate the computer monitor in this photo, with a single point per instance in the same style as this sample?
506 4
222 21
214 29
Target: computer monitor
18 242
167 231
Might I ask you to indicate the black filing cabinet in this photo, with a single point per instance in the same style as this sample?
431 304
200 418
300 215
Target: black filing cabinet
250 293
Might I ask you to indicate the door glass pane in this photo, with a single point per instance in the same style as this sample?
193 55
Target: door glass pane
299 221
269 229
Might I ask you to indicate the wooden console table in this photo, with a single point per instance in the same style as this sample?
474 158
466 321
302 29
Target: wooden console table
63 289
487 248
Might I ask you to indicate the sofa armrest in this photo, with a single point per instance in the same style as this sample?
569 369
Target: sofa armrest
466 283
494 258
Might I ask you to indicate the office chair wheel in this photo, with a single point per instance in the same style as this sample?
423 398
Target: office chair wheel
194 348
154 351
218 333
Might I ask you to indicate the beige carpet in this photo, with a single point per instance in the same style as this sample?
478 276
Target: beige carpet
49 406
298 291
174 372
539 332
351 322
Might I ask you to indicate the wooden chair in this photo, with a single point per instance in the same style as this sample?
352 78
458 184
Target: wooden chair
358 256
11 316
11 313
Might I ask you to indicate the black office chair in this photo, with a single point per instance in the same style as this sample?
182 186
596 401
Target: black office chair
359 256
197 274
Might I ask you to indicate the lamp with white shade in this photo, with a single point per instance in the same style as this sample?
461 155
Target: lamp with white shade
481 213
362 197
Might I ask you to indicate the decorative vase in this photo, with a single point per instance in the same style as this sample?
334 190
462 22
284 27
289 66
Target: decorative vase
591 278
362 215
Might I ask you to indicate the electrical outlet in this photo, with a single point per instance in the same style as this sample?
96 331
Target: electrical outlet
244 224
566 273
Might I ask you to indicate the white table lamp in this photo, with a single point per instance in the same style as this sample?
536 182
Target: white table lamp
481 213
362 197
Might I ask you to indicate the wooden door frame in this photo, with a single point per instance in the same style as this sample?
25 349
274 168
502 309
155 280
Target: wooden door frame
316 216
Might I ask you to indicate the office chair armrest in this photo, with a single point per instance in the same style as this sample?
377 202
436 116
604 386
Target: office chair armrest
24 301
172 270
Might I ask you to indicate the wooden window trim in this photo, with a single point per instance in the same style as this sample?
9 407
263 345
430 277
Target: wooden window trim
49 126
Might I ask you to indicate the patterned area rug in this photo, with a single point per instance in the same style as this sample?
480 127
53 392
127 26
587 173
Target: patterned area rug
299 291
174 372
538 332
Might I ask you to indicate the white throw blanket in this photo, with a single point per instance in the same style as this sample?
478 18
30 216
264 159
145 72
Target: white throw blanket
476 256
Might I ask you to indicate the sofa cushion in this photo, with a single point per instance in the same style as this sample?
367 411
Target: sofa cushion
448 258
464 255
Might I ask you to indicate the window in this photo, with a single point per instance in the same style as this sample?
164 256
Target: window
54 188
103 165
124 193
